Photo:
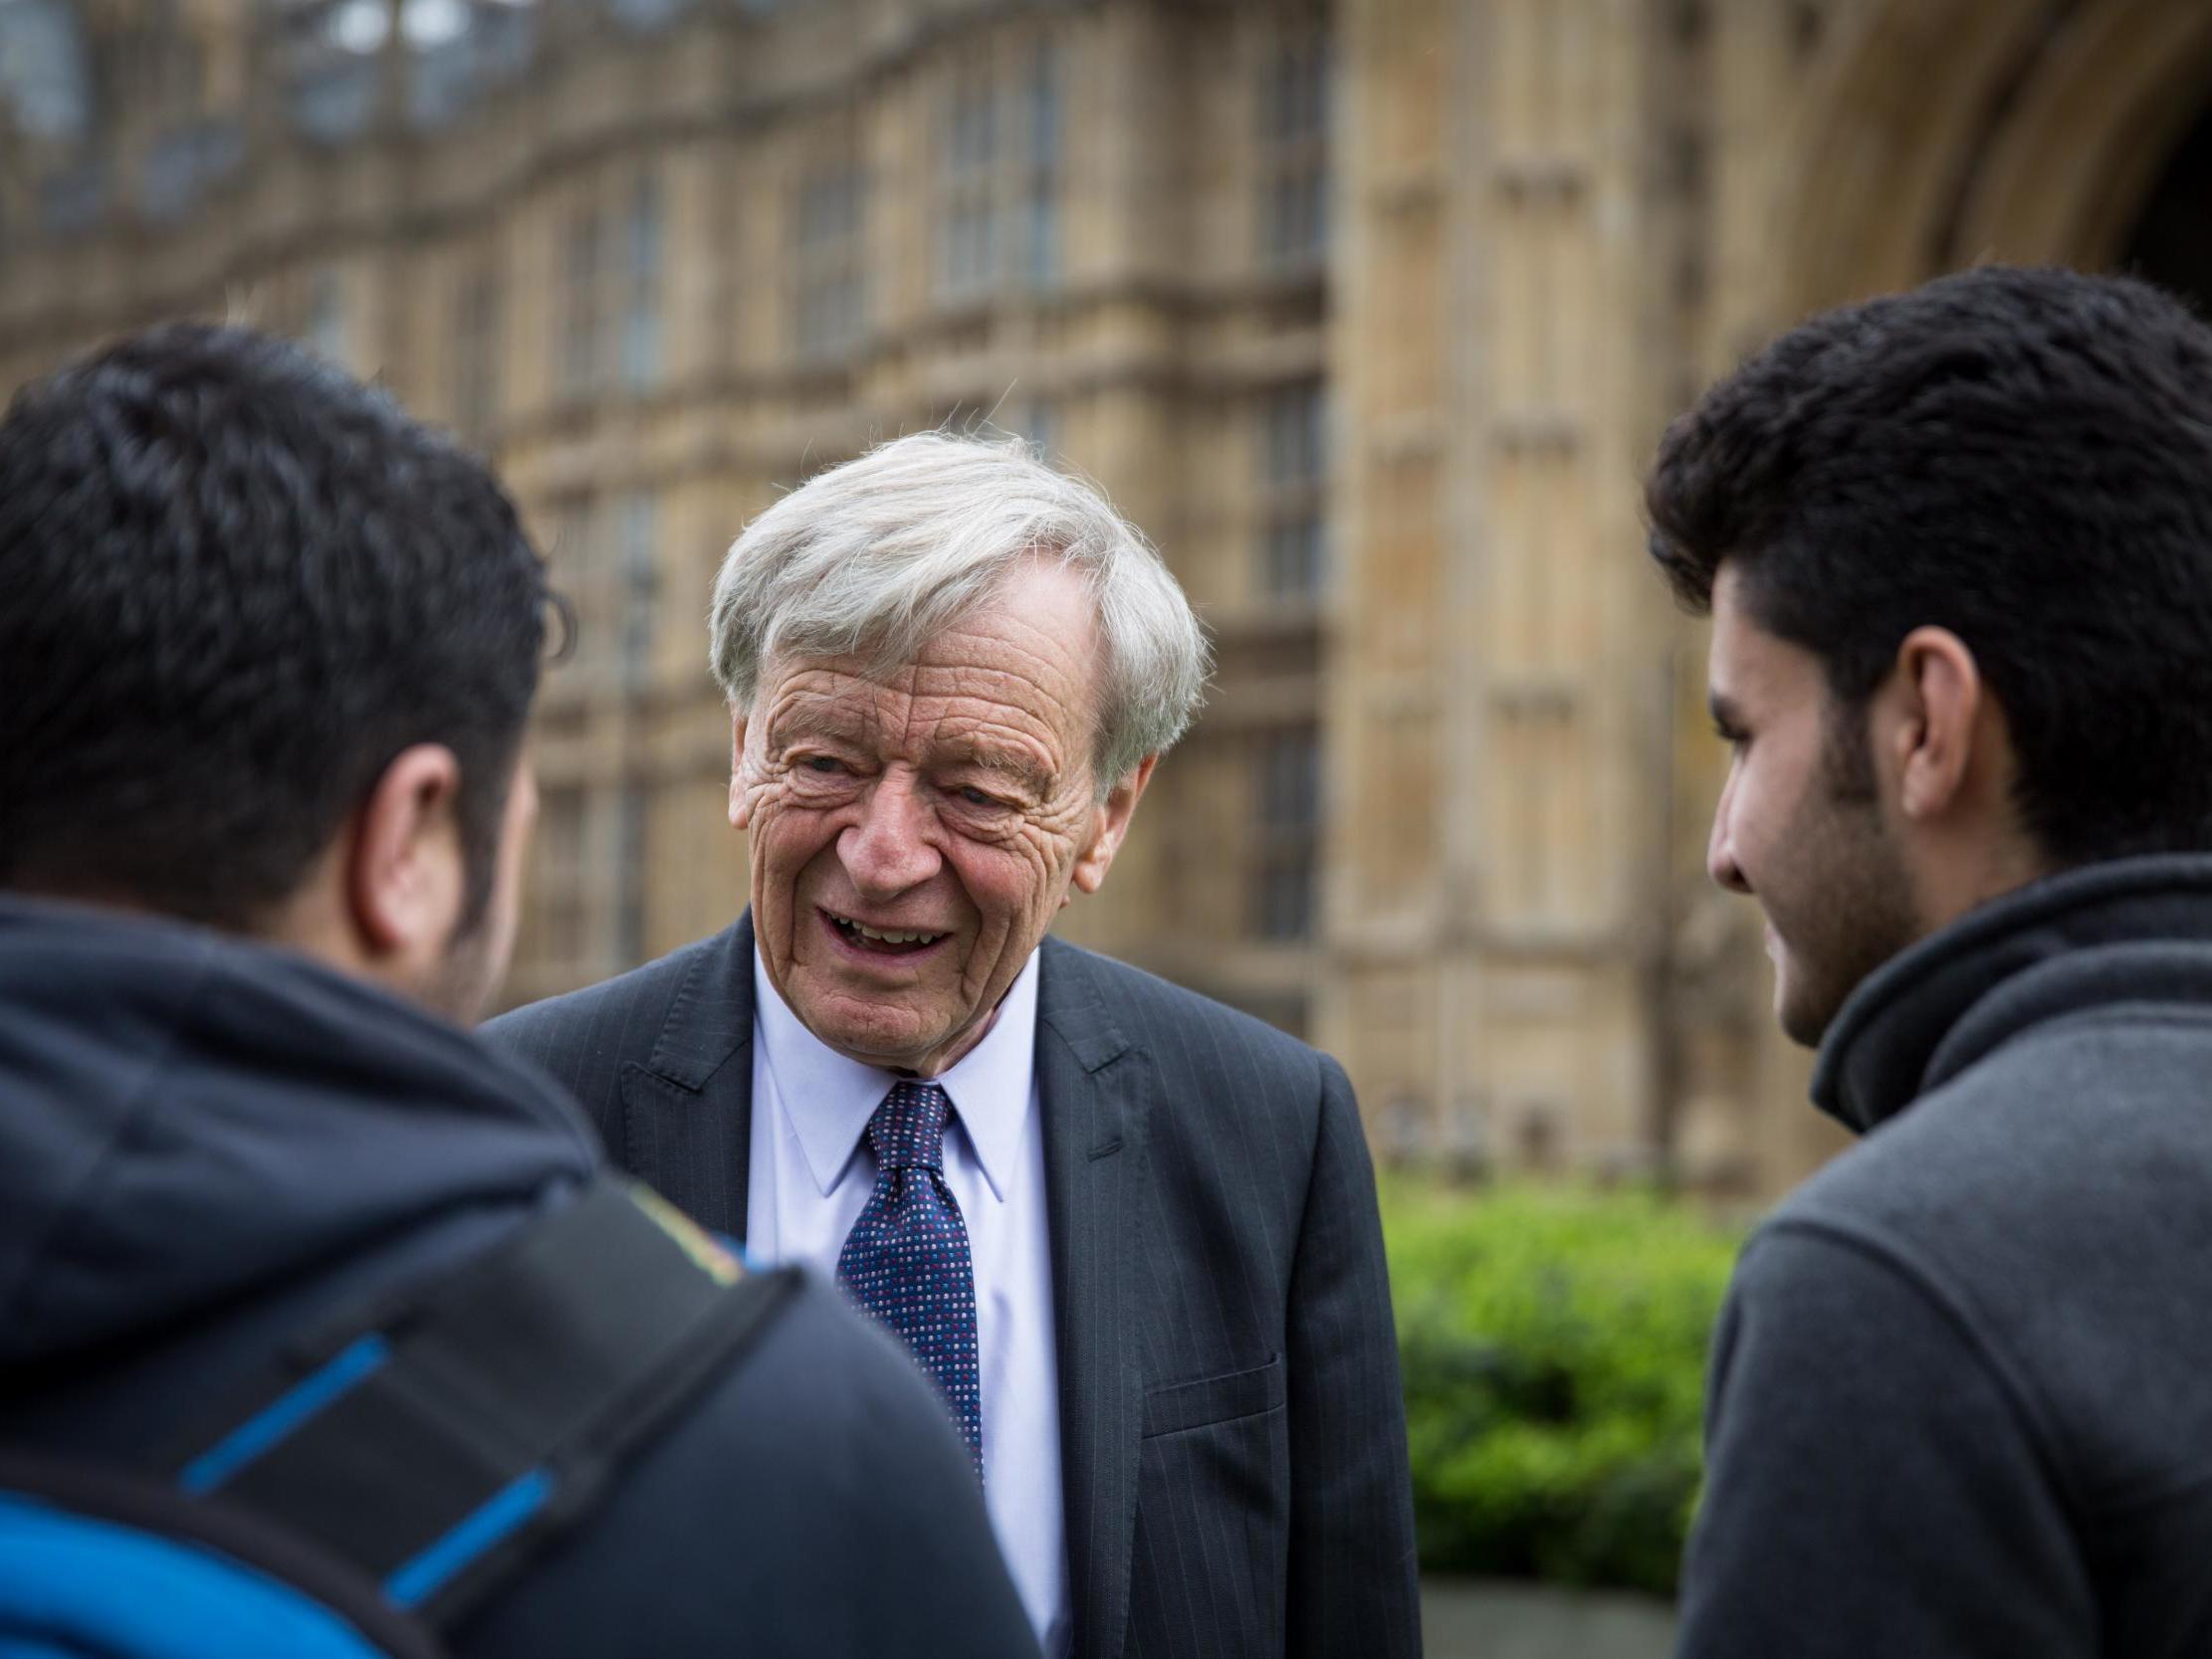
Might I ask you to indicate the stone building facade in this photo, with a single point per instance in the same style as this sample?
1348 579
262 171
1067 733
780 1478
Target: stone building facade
1369 313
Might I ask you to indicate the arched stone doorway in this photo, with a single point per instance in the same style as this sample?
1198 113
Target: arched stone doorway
2172 240
1943 134
1929 136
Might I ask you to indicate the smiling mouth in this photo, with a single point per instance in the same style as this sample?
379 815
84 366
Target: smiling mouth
879 942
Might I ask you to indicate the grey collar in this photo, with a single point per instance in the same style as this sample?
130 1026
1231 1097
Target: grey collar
2136 929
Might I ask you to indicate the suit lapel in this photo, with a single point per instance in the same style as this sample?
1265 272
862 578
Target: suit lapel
687 1107
1094 1091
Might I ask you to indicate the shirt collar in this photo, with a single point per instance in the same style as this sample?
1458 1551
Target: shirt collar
828 1097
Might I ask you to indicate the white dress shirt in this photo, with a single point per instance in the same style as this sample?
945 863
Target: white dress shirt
812 1171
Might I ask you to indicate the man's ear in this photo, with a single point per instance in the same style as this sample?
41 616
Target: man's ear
740 810
1110 825
406 877
1940 722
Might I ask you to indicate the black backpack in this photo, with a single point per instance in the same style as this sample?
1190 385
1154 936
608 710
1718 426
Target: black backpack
397 1464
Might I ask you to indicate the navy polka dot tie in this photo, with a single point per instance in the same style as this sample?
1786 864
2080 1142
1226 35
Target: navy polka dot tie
906 1259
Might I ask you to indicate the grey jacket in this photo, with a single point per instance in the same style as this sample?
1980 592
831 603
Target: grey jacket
1961 1396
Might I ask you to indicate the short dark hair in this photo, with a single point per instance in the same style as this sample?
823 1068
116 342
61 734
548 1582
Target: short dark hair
235 583
2020 456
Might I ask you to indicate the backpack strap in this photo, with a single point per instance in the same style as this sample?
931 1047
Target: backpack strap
440 1442
112 1562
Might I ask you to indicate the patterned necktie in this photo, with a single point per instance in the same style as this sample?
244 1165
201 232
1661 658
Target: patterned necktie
906 1259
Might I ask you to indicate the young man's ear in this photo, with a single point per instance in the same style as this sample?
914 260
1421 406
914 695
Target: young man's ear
406 877
1939 726
1110 825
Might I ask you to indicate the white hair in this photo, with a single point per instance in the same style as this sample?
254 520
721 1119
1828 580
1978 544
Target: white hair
881 554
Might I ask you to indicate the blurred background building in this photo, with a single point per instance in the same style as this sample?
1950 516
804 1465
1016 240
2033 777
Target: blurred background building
1369 313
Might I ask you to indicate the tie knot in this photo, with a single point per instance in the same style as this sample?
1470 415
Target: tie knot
908 1130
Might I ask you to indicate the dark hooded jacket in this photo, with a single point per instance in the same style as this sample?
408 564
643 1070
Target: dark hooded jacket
1961 1394
205 1145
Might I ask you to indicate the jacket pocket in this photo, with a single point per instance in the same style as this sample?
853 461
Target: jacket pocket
1215 1400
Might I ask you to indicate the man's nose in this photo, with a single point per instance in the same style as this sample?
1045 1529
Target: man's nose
889 850
1720 849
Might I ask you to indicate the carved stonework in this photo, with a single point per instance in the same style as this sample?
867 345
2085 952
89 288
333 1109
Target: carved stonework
1370 314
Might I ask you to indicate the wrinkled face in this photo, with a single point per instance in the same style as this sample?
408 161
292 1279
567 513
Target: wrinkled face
1800 825
914 833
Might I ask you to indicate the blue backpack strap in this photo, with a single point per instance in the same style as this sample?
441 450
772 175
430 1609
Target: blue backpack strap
101 1561
438 1445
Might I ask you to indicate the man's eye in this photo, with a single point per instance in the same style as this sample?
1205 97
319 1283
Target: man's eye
977 798
824 763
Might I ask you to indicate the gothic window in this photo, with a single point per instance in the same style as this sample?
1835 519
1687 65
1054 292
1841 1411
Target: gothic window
476 356
637 530
1036 249
829 268
999 192
967 240
581 314
643 257
1293 454
1286 833
1294 152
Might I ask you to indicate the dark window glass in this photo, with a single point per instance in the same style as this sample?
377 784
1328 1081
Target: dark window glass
1041 193
1295 492
476 358
1287 810
832 296
1294 152
640 578
581 345
642 300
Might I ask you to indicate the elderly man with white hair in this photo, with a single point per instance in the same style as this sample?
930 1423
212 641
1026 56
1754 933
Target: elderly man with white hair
1130 1234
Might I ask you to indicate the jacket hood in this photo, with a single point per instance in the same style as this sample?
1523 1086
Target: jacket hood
2131 931
189 1118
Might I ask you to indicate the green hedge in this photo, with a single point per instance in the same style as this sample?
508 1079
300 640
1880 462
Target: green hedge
1554 1348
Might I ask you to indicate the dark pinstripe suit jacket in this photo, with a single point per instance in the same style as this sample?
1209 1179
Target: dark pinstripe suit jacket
1232 1436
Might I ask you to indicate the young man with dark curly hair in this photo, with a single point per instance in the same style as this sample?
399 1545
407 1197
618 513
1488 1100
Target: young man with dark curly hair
1956 545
